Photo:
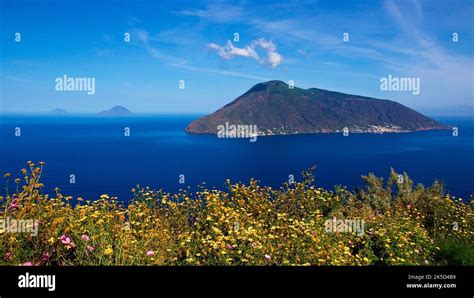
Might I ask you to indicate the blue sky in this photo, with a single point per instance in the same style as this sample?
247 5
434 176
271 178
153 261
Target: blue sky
299 40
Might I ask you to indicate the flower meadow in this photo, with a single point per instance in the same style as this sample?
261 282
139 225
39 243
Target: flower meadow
246 224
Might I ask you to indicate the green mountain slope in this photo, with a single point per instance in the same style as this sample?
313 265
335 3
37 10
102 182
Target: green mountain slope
277 109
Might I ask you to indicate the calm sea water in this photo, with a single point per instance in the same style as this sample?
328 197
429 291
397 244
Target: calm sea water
103 160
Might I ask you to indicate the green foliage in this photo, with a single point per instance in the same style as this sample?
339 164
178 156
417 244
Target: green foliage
455 252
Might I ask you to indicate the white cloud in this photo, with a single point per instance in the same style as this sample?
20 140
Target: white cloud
230 51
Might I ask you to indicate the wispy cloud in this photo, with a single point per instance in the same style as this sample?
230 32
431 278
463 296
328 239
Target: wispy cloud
28 63
422 46
219 12
141 38
222 72
304 53
230 51
419 10
142 35
15 78
441 72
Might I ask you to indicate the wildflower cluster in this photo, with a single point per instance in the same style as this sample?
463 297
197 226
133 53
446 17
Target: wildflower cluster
244 225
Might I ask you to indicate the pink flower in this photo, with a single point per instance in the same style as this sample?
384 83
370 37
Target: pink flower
14 204
65 240
45 256
90 247
27 264
85 238
7 256
150 253
268 257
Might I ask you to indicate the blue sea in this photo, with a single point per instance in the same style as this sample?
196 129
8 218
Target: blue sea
158 151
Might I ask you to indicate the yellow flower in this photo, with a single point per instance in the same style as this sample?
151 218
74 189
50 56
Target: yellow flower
108 251
216 230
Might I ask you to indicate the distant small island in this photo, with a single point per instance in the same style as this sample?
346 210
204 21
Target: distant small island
276 109
116 111
58 111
